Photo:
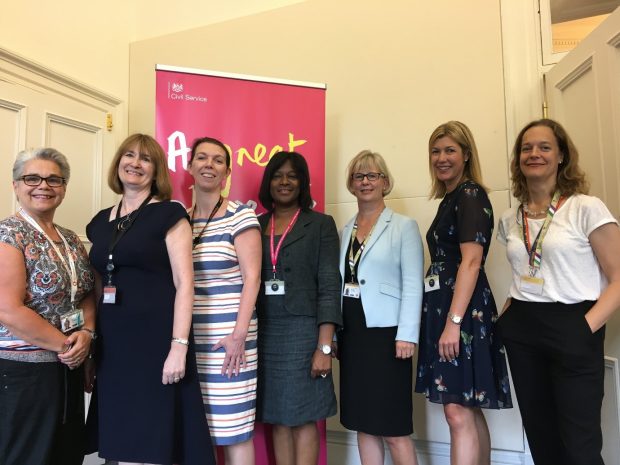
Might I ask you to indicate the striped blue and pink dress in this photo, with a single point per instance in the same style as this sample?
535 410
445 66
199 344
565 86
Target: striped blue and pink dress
230 404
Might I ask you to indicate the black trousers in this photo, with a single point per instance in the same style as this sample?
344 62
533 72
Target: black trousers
557 366
41 414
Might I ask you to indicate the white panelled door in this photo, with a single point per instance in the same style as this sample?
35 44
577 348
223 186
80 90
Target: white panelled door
44 109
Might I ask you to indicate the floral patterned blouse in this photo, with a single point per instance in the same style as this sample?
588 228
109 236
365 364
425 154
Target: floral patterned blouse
48 283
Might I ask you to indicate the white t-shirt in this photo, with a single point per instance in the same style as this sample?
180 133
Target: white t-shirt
569 267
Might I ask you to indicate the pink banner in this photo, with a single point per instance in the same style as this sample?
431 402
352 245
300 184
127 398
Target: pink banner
255 119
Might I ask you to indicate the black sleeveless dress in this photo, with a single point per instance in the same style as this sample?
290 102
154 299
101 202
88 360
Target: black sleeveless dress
141 419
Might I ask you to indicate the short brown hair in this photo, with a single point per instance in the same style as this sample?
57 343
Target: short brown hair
462 135
570 178
161 188
365 160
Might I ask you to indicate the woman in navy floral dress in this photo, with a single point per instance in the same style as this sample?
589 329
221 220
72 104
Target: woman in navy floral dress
461 362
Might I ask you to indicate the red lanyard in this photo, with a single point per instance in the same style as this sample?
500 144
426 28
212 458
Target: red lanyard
276 252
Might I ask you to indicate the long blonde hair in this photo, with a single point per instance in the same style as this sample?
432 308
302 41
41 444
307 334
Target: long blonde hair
461 134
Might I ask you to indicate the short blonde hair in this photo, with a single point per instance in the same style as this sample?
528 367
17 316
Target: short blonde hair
366 160
162 187
462 135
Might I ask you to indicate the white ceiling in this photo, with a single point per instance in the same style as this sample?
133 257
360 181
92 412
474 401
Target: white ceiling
568 10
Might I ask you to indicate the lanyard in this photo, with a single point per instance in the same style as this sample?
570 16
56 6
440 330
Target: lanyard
276 252
354 259
70 267
196 239
534 251
121 228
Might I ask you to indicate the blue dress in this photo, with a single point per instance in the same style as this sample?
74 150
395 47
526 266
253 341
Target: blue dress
478 377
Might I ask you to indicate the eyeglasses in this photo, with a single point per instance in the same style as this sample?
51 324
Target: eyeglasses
359 177
36 180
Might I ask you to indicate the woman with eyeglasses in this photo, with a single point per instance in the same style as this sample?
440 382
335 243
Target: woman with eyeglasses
298 310
47 320
381 263
461 363
148 393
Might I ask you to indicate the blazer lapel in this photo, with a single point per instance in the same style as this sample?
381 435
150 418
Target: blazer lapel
382 222
344 244
299 229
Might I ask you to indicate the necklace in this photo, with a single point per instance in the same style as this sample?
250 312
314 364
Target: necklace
128 220
534 213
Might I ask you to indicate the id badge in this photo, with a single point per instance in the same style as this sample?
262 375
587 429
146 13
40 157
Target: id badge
531 284
351 290
71 320
109 295
431 283
274 287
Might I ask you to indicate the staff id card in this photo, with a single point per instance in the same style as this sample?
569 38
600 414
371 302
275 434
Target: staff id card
274 287
431 283
351 290
109 294
531 284
71 320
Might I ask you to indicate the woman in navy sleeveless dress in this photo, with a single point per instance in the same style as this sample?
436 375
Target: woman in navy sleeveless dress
149 402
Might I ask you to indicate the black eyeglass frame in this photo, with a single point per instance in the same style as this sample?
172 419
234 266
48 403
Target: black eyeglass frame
359 177
63 181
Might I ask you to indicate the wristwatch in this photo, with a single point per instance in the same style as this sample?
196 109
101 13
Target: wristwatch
457 320
326 349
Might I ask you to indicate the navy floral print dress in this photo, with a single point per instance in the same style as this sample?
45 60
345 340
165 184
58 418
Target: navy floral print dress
478 377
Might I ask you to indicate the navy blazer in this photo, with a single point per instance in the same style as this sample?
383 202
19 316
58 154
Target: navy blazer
390 274
308 265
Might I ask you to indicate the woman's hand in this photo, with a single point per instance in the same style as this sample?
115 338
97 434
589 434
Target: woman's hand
449 342
404 349
321 364
174 366
79 348
234 360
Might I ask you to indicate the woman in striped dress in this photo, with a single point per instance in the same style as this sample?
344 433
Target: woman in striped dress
227 262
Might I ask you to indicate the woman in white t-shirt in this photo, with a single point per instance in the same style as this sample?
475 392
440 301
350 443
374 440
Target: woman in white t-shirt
563 247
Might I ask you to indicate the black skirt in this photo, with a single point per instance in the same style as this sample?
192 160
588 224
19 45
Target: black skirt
375 387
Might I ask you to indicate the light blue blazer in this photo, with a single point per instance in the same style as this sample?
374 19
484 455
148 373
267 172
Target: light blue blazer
390 274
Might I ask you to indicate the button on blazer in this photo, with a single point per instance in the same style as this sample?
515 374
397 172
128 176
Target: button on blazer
390 274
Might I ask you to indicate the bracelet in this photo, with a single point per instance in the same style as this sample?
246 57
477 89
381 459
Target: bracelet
93 334
178 340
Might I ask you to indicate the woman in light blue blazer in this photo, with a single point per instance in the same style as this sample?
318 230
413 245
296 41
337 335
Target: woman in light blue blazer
381 262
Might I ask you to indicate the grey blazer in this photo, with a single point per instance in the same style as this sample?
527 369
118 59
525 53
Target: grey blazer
308 265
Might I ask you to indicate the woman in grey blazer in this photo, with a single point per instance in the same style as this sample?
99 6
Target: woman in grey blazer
298 311
381 262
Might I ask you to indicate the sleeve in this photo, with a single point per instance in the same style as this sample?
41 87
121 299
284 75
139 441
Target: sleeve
593 214
174 212
245 218
474 215
329 280
412 269
9 235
